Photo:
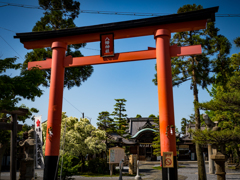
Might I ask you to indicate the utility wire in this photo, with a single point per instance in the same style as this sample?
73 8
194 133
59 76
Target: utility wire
16 32
7 29
76 108
21 5
122 13
11 47
108 12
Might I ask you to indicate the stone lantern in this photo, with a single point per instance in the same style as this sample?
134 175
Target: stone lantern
219 159
27 157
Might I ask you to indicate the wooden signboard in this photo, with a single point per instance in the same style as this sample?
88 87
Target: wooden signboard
116 154
168 160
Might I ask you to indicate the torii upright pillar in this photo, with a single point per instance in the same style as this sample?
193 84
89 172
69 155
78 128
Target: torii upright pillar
165 99
54 110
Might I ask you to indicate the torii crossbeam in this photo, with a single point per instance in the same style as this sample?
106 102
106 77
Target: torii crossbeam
161 27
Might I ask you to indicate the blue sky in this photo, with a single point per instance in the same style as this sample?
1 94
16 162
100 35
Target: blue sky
131 80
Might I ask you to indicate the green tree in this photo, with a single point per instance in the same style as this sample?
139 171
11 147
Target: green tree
156 140
5 138
59 15
237 41
13 90
224 106
197 68
106 124
138 116
80 137
119 118
185 121
68 166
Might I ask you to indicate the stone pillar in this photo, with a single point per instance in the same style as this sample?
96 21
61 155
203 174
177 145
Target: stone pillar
132 164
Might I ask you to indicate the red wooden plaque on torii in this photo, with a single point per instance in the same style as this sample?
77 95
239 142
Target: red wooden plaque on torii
161 27
107 45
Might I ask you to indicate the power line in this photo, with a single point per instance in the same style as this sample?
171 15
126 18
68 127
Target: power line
227 15
122 13
11 47
8 29
20 5
16 32
108 12
76 108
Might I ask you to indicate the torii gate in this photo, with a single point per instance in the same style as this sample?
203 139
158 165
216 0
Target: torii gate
161 27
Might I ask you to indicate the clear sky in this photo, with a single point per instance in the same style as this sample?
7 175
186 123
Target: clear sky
131 80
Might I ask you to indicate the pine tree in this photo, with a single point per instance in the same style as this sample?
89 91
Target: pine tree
237 41
185 121
59 15
225 107
106 123
119 118
138 116
197 68
156 140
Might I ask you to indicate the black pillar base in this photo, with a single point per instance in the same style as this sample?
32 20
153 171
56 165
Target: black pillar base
170 173
51 167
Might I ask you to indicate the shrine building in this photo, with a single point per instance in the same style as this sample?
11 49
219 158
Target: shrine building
142 133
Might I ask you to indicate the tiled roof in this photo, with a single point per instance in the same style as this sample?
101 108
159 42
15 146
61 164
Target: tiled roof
135 124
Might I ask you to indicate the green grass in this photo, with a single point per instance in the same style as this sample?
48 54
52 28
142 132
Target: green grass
232 167
157 167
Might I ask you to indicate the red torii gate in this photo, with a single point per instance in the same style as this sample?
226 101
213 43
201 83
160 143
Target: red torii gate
161 27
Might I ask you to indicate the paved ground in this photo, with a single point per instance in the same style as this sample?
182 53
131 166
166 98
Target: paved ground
187 172
191 170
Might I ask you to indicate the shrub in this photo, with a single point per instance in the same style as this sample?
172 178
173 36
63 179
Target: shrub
70 166
98 165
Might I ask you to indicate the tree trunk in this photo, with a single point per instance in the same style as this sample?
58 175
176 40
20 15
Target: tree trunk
3 147
201 165
83 163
